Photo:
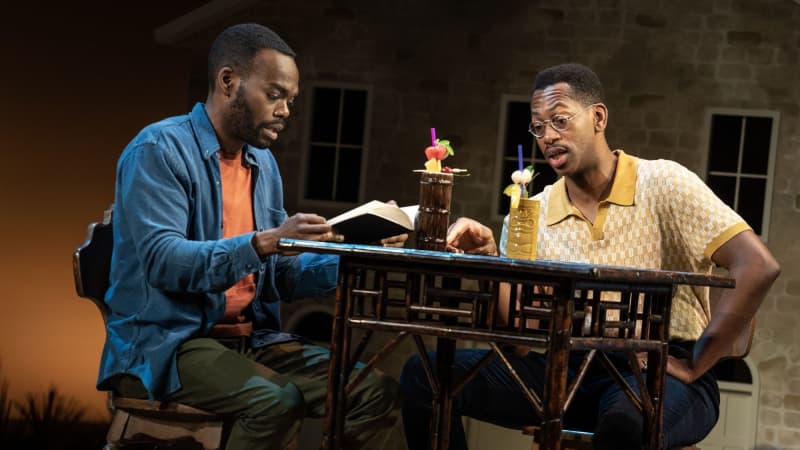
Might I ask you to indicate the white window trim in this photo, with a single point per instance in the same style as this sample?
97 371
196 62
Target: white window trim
306 143
770 177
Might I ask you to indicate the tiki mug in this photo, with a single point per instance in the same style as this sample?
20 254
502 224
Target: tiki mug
433 217
523 227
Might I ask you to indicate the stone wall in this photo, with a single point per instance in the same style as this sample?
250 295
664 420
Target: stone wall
447 63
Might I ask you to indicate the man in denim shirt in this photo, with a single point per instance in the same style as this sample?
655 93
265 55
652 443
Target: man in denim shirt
196 276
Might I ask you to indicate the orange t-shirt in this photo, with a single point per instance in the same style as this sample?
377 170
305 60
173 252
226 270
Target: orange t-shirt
237 219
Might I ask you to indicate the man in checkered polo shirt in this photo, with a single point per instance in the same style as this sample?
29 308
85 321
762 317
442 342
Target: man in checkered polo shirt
612 208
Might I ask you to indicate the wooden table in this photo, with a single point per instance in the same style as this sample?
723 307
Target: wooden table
561 307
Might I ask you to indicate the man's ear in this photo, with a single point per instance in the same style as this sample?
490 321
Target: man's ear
226 81
600 117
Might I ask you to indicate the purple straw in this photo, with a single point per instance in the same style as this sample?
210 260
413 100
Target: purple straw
519 156
433 136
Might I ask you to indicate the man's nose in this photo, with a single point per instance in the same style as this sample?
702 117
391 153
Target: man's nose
283 110
550 134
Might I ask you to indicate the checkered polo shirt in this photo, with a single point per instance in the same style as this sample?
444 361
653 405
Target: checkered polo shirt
659 215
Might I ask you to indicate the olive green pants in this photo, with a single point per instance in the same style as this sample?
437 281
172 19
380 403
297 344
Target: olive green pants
268 391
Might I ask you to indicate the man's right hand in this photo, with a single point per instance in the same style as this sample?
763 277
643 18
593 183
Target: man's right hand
470 236
310 227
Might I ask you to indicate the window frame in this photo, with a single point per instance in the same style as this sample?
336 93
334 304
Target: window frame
773 145
505 99
304 202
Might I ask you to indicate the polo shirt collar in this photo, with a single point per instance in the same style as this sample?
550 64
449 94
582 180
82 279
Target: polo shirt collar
622 192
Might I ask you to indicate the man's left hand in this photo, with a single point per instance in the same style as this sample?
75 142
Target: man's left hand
395 241
681 369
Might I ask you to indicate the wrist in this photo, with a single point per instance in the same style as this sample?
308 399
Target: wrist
265 243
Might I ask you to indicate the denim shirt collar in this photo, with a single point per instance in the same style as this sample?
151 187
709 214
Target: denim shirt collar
207 136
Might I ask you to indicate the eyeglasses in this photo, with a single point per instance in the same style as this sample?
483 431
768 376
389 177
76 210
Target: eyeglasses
558 122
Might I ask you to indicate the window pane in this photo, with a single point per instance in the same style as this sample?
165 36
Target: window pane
325 115
349 174
546 176
734 370
757 134
319 181
751 202
354 112
724 187
518 117
724 147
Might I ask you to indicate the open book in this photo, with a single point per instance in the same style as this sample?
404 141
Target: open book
374 221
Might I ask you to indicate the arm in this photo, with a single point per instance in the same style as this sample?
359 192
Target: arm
754 268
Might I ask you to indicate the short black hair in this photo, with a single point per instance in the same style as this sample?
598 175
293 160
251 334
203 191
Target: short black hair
585 84
237 45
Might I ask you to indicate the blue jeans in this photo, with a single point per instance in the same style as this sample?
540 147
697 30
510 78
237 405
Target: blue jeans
600 405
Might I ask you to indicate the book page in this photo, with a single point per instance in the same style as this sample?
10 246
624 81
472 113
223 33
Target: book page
373 221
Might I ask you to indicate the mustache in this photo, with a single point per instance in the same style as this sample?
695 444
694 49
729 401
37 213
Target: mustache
280 122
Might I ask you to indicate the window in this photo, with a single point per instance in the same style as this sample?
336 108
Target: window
741 160
515 116
334 161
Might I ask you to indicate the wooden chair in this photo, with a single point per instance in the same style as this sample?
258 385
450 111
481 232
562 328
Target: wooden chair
136 421
581 440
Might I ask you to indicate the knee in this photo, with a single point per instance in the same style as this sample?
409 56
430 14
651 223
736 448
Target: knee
618 431
285 405
382 392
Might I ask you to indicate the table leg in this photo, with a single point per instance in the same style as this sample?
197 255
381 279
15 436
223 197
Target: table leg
443 403
333 428
555 383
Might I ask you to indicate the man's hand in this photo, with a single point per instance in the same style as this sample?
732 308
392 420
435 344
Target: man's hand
309 227
470 236
681 369
395 241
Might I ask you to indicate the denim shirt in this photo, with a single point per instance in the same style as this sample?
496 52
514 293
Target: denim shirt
170 265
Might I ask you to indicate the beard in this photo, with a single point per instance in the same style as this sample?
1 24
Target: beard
243 124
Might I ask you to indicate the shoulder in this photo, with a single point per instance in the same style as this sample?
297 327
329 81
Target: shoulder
166 139
669 175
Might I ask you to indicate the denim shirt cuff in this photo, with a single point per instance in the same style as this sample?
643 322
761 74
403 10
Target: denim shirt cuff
245 254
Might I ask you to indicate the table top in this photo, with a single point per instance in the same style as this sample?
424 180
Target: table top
574 270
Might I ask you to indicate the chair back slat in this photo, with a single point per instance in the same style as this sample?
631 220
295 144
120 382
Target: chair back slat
91 263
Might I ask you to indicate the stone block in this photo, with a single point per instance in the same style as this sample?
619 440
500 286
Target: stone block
760 55
689 140
661 139
707 53
769 417
771 399
773 372
649 20
791 402
788 439
718 22
613 17
660 120
793 287
734 72
645 100
722 6
743 37
733 54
